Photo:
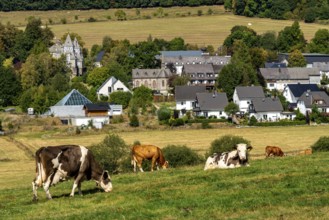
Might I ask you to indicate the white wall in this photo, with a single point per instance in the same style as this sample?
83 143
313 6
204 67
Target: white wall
271 116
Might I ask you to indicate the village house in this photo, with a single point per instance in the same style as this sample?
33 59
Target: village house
111 85
185 97
243 95
210 105
292 92
266 109
200 74
310 58
278 78
310 99
72 52
155 79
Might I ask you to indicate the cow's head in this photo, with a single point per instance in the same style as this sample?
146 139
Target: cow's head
242 150
165 165
105 181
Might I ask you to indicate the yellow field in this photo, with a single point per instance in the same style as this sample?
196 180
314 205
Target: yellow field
200 30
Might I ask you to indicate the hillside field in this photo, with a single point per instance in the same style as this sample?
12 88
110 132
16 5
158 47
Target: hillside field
176 22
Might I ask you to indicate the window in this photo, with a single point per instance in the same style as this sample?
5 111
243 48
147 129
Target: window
119 89
271 84
109 89
265 117
163 83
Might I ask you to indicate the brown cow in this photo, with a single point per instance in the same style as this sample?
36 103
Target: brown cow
273 151
150 152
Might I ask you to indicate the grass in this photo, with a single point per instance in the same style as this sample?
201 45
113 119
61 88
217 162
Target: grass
179 22
281 188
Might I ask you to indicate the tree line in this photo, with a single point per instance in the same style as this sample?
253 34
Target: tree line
24 5
30 77
309 11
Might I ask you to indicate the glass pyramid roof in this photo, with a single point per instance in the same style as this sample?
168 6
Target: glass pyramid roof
73 98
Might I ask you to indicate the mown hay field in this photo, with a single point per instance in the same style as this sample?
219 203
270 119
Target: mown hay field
180 22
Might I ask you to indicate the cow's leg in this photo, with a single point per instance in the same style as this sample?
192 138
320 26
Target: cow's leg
76 184
153 163
139 164
46 187
35 188
79 189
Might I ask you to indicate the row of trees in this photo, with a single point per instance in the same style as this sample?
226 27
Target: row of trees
309 11
22 5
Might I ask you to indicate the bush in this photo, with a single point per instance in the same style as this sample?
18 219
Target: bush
164 113
225 144
111 153
321 145
176 122
252 121
178 155
134 122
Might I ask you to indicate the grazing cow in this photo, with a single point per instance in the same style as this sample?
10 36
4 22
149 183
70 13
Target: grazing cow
273 151
232 159
150 152
56 163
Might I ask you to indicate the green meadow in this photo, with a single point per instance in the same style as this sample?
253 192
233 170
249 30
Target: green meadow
292 187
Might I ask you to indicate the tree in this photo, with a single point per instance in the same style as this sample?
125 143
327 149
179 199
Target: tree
10 87
142 96
319 44
142 55
291 38
231 109
268 40
296 59
120 15
97 76
121 98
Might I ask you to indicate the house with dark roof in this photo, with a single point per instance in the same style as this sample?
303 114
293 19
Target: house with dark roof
210 105
266 109
310 58
243 95
185 97
155 79
200 74
99 58
278 78
111 85
309 99
292 92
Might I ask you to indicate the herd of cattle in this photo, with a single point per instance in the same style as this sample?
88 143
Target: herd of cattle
57 163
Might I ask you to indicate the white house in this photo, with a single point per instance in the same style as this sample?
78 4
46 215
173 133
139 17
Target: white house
111 85
266 109
211 105
243 95
309 99
185 97
292 92
278 78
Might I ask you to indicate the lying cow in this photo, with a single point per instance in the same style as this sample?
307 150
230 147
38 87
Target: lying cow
273 151
56 163
232 159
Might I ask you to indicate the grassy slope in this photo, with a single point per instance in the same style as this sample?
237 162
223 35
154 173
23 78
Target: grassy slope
282 188
200 30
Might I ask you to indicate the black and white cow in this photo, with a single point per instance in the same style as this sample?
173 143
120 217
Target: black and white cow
57 163
232 159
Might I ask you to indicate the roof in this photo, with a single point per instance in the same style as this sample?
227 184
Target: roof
182 53
114 80
183 93
275 65
267 104
298 89
296 73
309 98
198 68
247 92
73 98
99 56
151 73
309 57
97 107
212 101
180 60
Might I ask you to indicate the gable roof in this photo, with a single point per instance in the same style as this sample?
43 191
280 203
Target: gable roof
106 81
151 73
267 104
198 68
183 93
180 53
73 98
310 97
309 57
296 73
298 89
212 101
99 56
247 92
275 65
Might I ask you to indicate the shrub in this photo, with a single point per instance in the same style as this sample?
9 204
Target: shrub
164 113
178 155
176 122
111 153
225 143
134 122
321 145
205 125
91 19
252 121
